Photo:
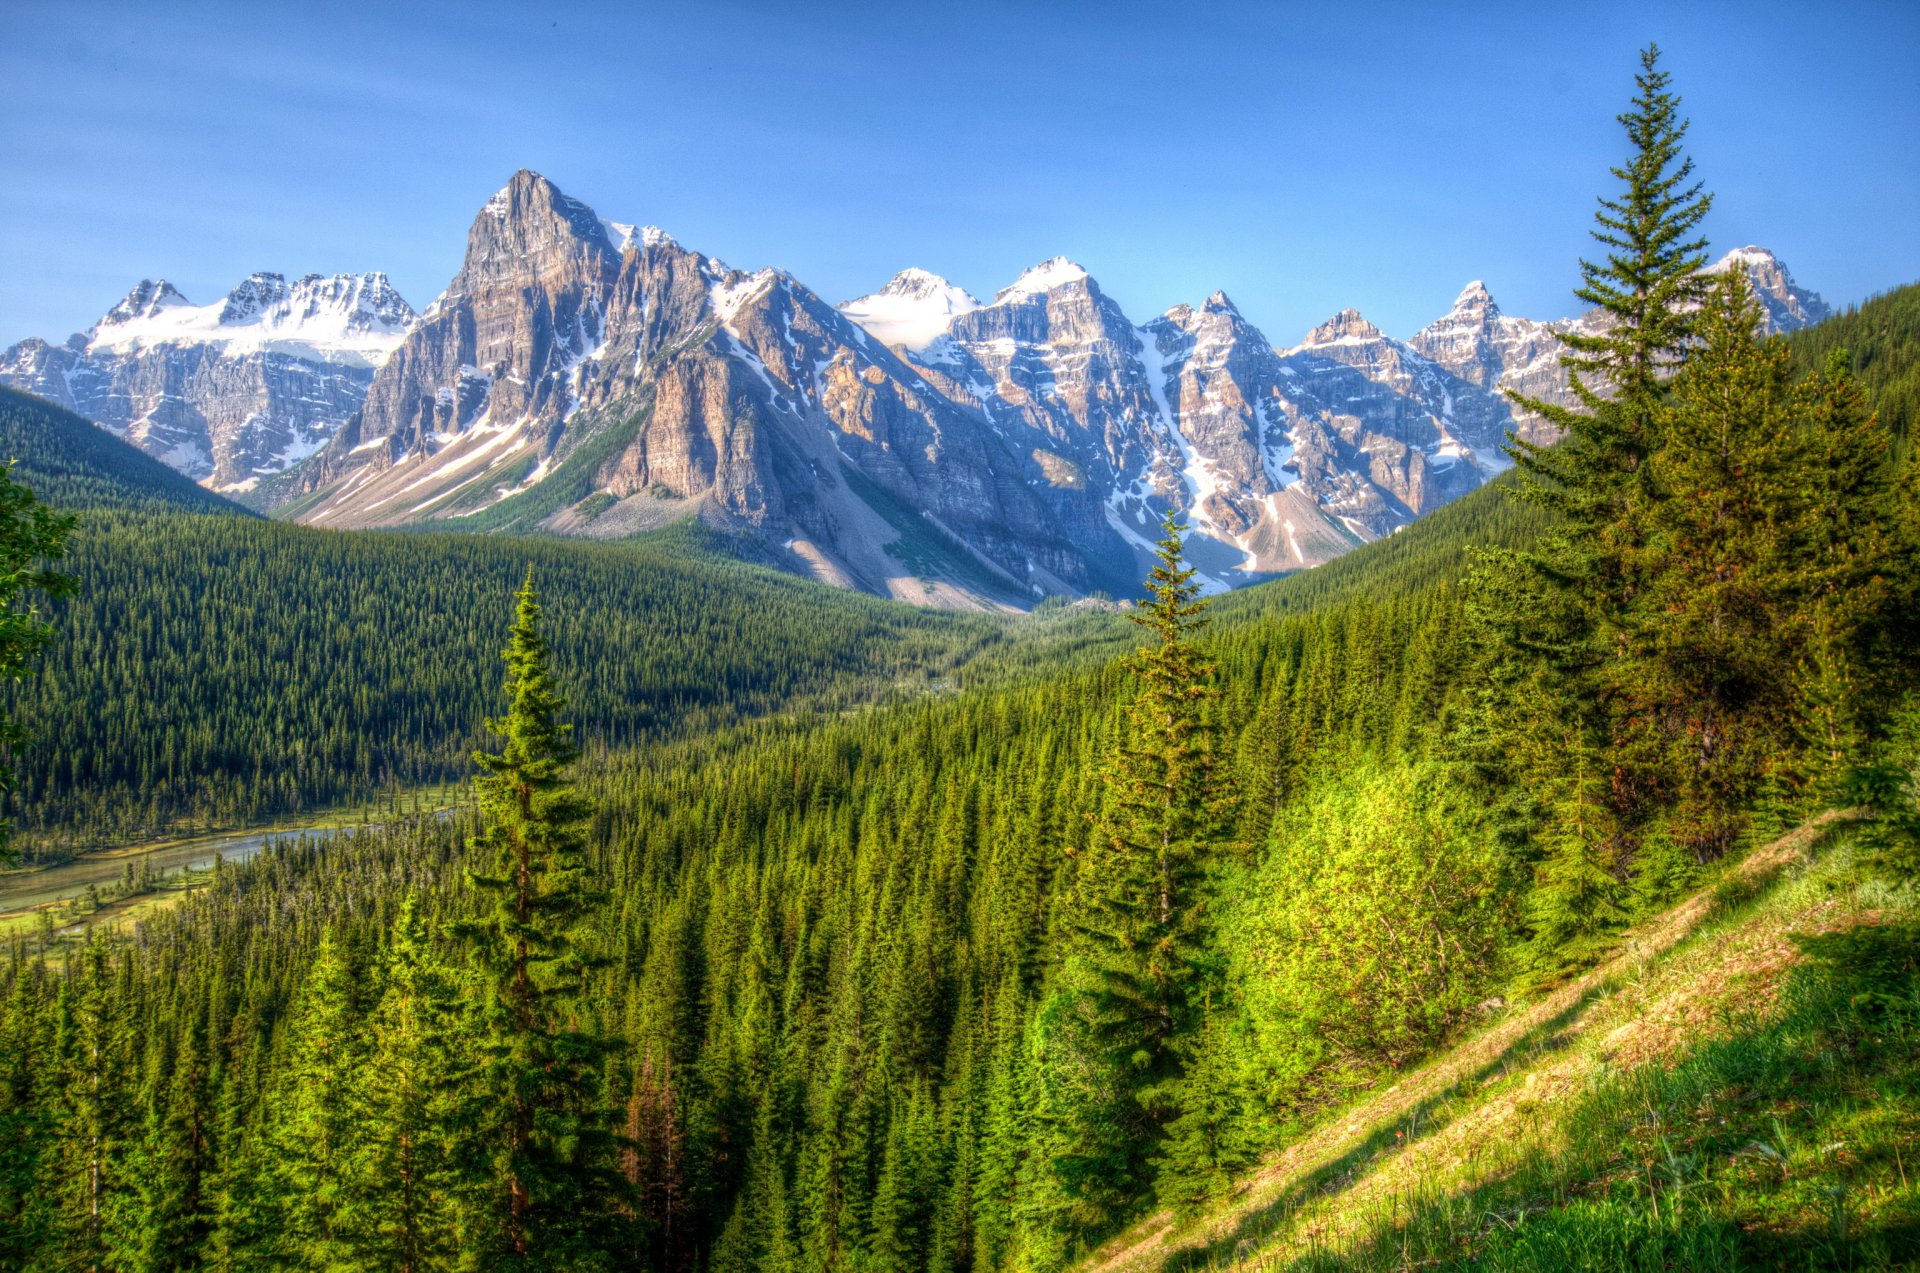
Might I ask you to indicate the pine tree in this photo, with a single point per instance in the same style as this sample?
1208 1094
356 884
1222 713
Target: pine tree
1646 290
1852 623
92 1047
1571 720
1703 640
1139 970
558 1186
417 1176
316 1159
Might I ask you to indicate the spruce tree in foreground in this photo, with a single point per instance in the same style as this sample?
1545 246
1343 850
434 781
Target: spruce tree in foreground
555 1183
1574 728
1138 976
419 1115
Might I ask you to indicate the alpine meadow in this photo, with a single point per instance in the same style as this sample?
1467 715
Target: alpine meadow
634 767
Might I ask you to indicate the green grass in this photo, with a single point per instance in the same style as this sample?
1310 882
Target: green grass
1779 1144
1739 1089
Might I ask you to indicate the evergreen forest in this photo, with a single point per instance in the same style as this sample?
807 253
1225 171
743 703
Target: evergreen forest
793 930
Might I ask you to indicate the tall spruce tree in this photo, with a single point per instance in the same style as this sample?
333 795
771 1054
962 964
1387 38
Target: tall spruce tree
1856 562
556 1181
1554 619
420 1118
317 1216
1139 972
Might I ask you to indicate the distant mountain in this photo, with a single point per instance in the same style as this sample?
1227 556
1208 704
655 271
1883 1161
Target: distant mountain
1492 350
584 377
227 393
73 464
648 381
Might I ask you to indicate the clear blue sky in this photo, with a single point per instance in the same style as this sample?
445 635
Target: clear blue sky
1304 157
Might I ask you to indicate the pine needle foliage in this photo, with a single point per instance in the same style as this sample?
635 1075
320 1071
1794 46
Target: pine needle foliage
553 1147
31 536
1141 967
1554 616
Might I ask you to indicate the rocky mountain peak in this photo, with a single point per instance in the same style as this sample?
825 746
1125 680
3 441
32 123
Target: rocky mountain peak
1050 274
1474 302
251 295
1346 327
914 309
1787 305
147 299
921 283
1219 303
530 223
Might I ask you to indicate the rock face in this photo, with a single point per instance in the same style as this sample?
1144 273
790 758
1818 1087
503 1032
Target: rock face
1784 305
586 377
227 393
639 376
1276 460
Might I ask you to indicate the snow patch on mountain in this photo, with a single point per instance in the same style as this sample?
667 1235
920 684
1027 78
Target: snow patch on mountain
354 318
1041 279
913 310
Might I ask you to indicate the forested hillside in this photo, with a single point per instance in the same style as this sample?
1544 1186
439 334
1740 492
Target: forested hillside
1881 338
213 670
73 464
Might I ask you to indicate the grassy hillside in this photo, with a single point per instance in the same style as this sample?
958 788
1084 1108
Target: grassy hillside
73 463
1739 1088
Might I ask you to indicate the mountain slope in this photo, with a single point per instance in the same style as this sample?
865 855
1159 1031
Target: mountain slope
1719 1095
1882 338
73 464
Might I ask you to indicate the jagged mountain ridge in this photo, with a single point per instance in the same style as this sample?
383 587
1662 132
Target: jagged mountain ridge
916 441
228 393
667 383
584 377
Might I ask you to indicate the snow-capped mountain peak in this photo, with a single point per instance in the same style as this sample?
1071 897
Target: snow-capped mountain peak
1475 300
913 310
351 317
1055 272
621 235
1787 306
1220 303
149 298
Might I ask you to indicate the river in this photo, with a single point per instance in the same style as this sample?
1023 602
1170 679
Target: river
70 879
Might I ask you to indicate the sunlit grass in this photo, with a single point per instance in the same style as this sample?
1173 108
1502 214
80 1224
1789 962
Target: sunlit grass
1746 1098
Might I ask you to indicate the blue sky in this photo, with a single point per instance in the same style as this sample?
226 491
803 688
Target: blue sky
1303 157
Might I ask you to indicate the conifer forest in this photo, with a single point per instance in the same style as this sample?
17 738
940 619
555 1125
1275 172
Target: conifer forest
690 915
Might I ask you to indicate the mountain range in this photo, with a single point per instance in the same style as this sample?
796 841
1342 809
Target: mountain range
586 377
